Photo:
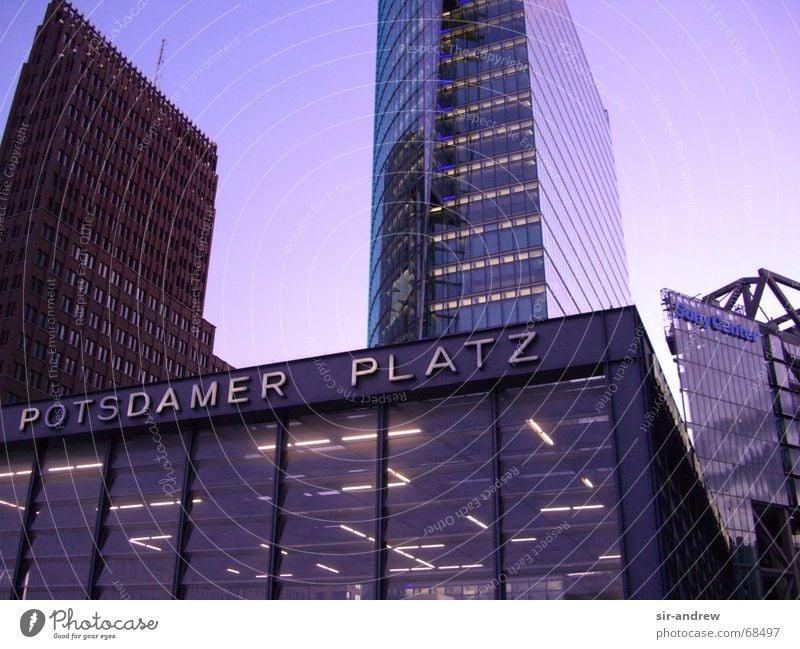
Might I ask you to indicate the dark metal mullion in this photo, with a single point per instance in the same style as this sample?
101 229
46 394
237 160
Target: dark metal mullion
624 542
40 446
278 491
497 501
102 506
183 515
381 489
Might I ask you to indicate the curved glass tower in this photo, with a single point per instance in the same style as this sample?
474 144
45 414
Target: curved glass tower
494 191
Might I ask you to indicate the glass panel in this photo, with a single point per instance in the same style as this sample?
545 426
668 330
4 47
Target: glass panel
15 474
231 513
62 538
327 541
142 523
439 532
560 529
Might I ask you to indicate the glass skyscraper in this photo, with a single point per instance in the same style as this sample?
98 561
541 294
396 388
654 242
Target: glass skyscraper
494 190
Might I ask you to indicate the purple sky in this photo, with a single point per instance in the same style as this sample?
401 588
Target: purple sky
703 104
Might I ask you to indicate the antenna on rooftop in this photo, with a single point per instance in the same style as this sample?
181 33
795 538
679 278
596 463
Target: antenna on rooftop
160 63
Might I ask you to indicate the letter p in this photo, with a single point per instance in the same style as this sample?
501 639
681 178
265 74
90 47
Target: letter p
363 367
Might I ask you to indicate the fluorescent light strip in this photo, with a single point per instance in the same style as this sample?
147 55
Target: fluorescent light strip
149 538
352 531
357 487
396 484
235 572
328 568
5 502
145 545
610 556
61 468
355 438
311 442
587 482
477 522
399 476
522 540
410 431
286 574
538 430
472 565
89 466
584 574
448 567
576 508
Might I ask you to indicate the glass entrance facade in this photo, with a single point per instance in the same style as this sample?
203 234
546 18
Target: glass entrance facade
526 477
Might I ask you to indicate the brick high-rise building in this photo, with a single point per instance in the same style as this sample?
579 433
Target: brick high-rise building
106 216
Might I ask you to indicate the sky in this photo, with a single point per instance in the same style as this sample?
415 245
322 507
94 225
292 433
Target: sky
703 103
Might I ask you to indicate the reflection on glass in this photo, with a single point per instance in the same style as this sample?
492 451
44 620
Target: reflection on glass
439 536
141 527
230 513
329 508
15 474
64 517
560 529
